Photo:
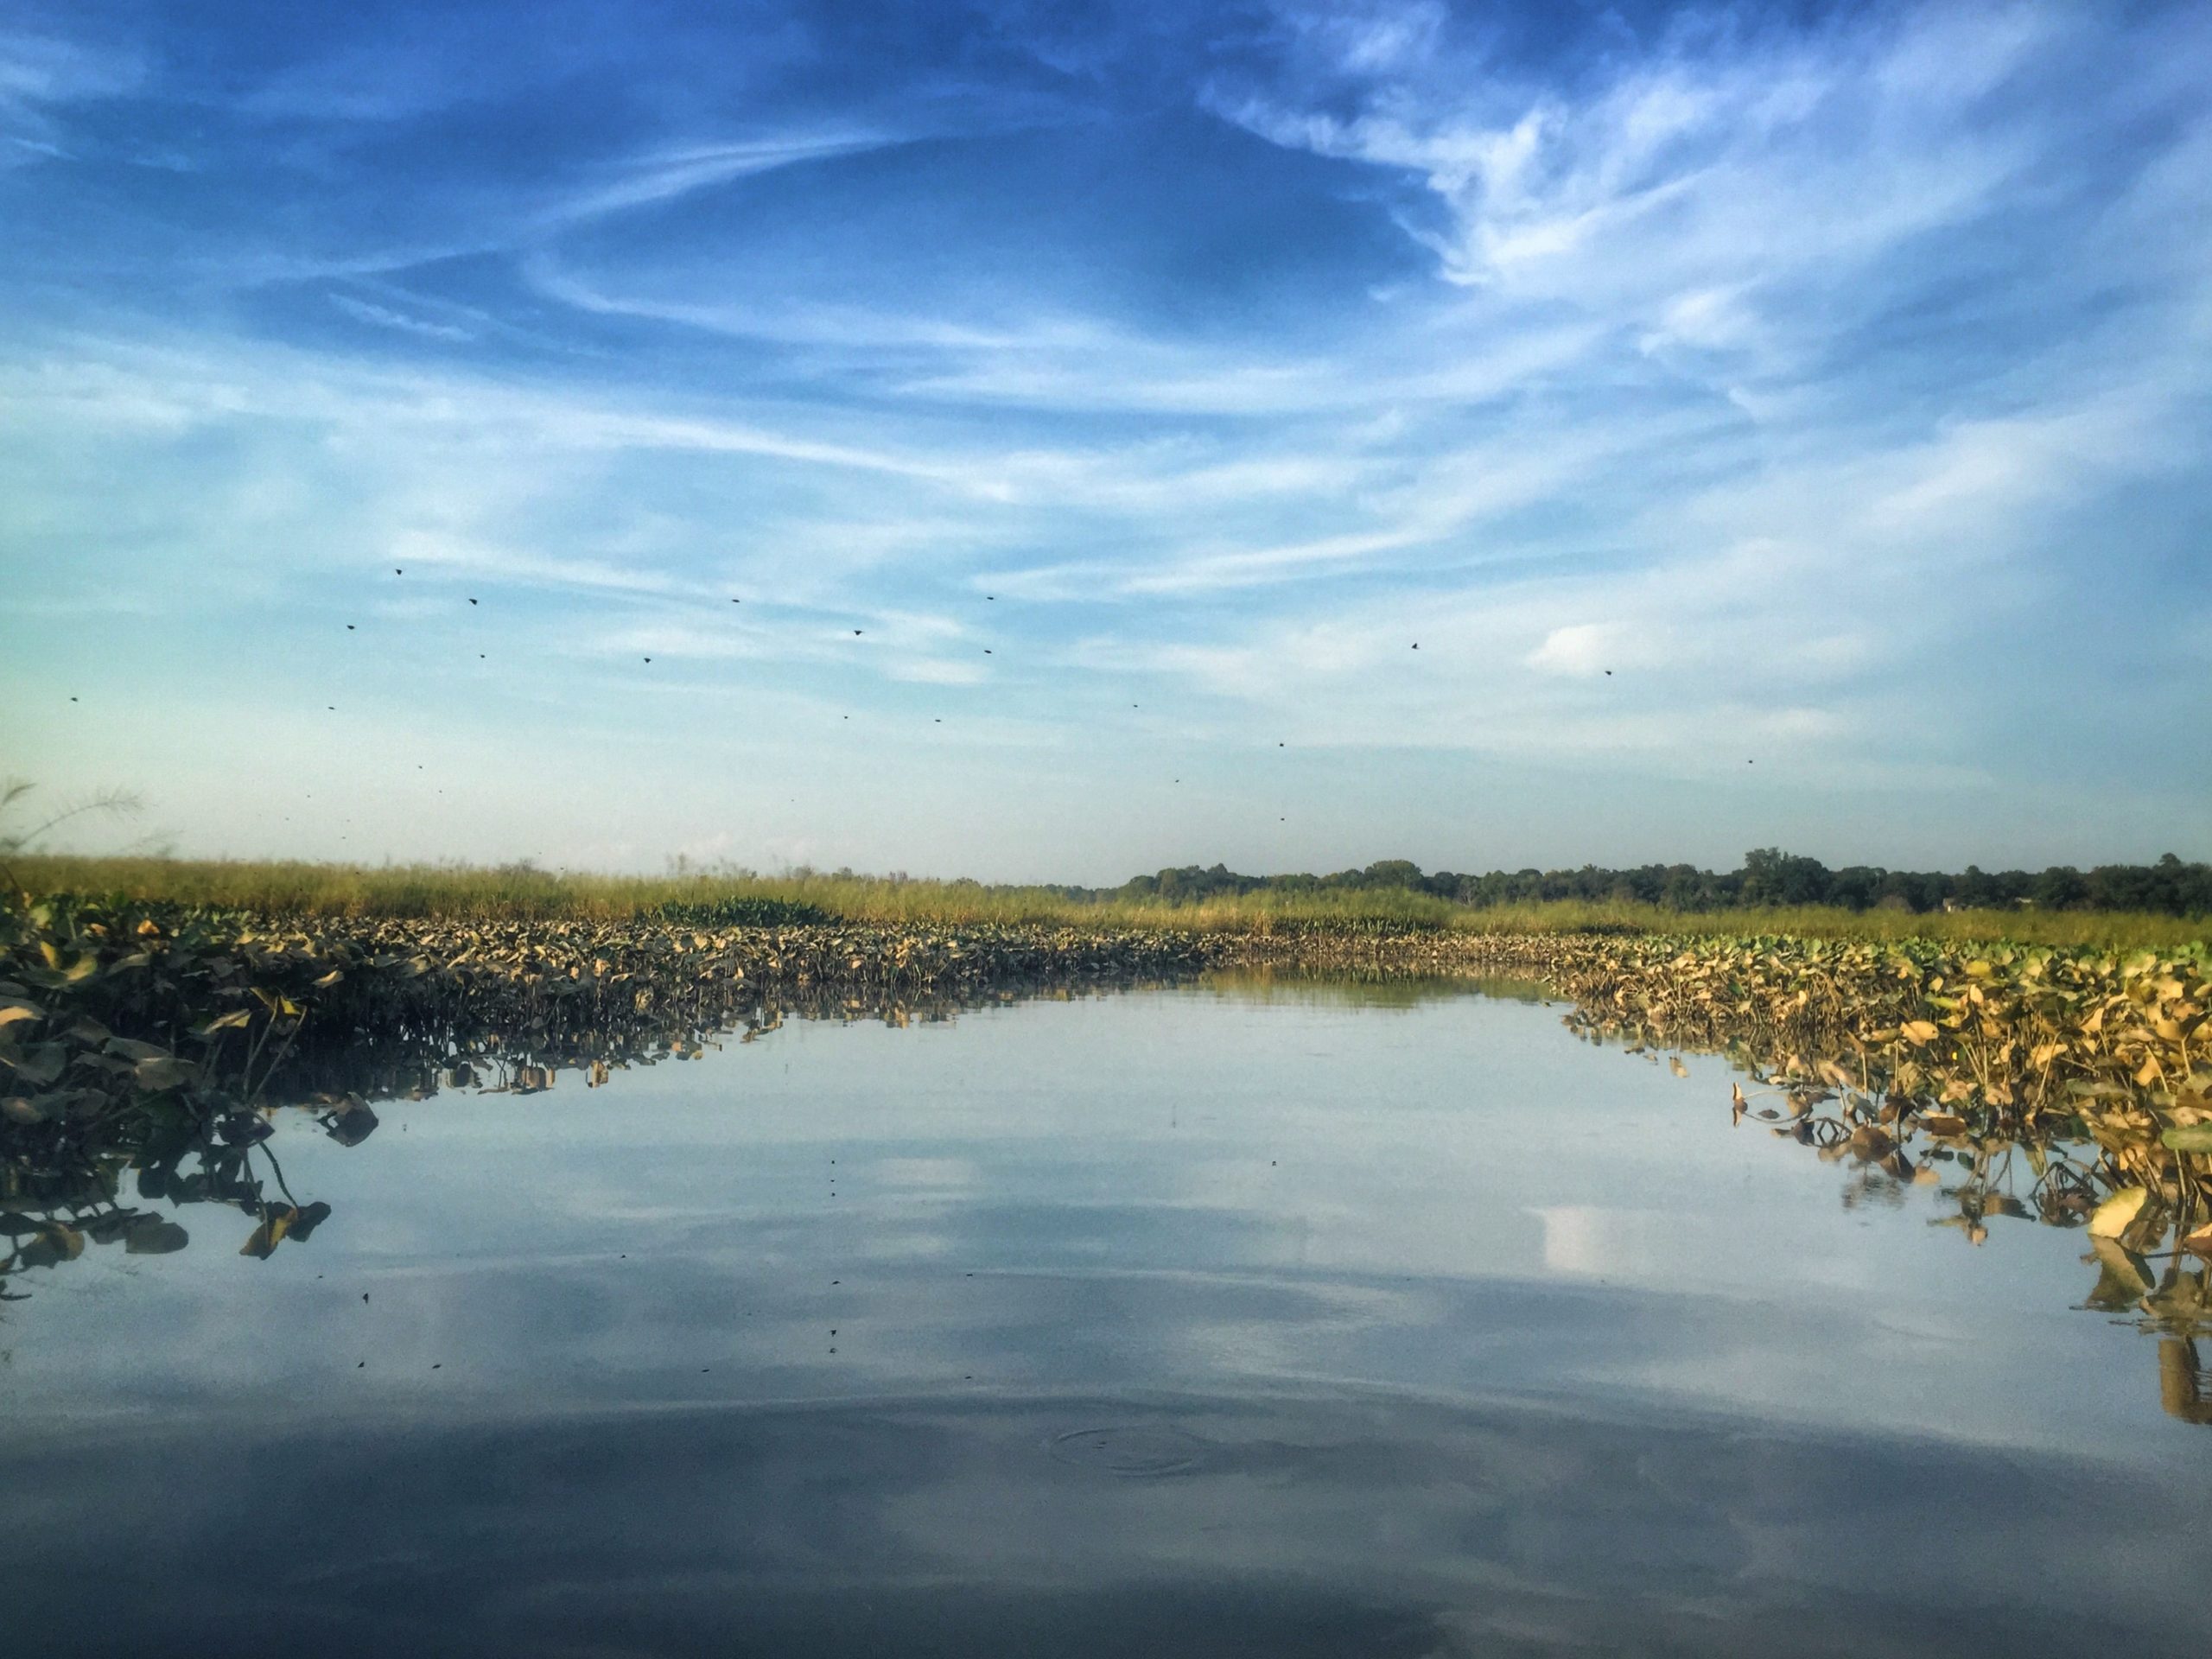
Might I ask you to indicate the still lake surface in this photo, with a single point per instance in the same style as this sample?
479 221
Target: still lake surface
1231 1318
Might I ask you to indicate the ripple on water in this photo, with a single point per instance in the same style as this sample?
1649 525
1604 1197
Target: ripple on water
1132 1449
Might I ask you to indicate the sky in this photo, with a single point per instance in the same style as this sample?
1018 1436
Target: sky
1052 442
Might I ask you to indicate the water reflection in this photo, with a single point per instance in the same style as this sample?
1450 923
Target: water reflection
1287 1525
2127 1194
63 1198
62 1185
1251 1316
139 1186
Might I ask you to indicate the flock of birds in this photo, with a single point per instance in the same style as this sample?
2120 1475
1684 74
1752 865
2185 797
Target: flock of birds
400 570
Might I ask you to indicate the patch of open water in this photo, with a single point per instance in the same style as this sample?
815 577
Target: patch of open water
1215 1321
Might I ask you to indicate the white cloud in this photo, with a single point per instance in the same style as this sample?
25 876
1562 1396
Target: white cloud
1580 649
385 317
664 176
1763 368
1721 192
42 78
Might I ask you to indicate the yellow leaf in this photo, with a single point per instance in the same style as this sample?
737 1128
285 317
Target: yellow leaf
2112 1217
1918 1031
267 1237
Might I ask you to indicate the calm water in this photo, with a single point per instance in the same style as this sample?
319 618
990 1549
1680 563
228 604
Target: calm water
1207 1321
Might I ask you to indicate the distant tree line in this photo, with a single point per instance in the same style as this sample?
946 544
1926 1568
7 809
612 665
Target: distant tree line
1770 876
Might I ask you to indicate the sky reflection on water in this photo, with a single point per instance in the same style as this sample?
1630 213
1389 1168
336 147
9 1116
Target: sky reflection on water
1409 1320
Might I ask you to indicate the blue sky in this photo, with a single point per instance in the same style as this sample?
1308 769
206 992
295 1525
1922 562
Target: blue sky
1781 424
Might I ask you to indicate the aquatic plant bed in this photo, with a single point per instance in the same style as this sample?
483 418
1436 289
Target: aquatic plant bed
2024 1031
157 1040
102 1004
1901 1055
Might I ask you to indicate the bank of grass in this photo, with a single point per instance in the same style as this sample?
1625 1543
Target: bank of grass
517 893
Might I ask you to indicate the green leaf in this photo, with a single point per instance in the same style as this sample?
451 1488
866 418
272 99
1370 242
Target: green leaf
151 1236
163 1072
40 1064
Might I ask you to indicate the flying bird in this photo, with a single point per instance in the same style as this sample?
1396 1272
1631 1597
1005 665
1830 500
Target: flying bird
472 602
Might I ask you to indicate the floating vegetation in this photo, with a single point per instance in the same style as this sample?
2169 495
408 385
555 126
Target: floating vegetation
2069 1088
2140 1201
161 1039
148 1039
106 1007
62 1180
2038 1033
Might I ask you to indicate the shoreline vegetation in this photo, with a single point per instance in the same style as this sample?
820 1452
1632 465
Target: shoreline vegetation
147 1028
1759 901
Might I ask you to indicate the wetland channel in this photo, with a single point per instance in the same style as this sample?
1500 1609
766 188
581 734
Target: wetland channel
1234 1316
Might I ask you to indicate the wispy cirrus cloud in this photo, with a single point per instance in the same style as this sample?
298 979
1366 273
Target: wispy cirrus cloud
663 176
382 316
42 76
1832 383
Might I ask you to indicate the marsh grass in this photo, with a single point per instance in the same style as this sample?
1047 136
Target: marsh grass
524 892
